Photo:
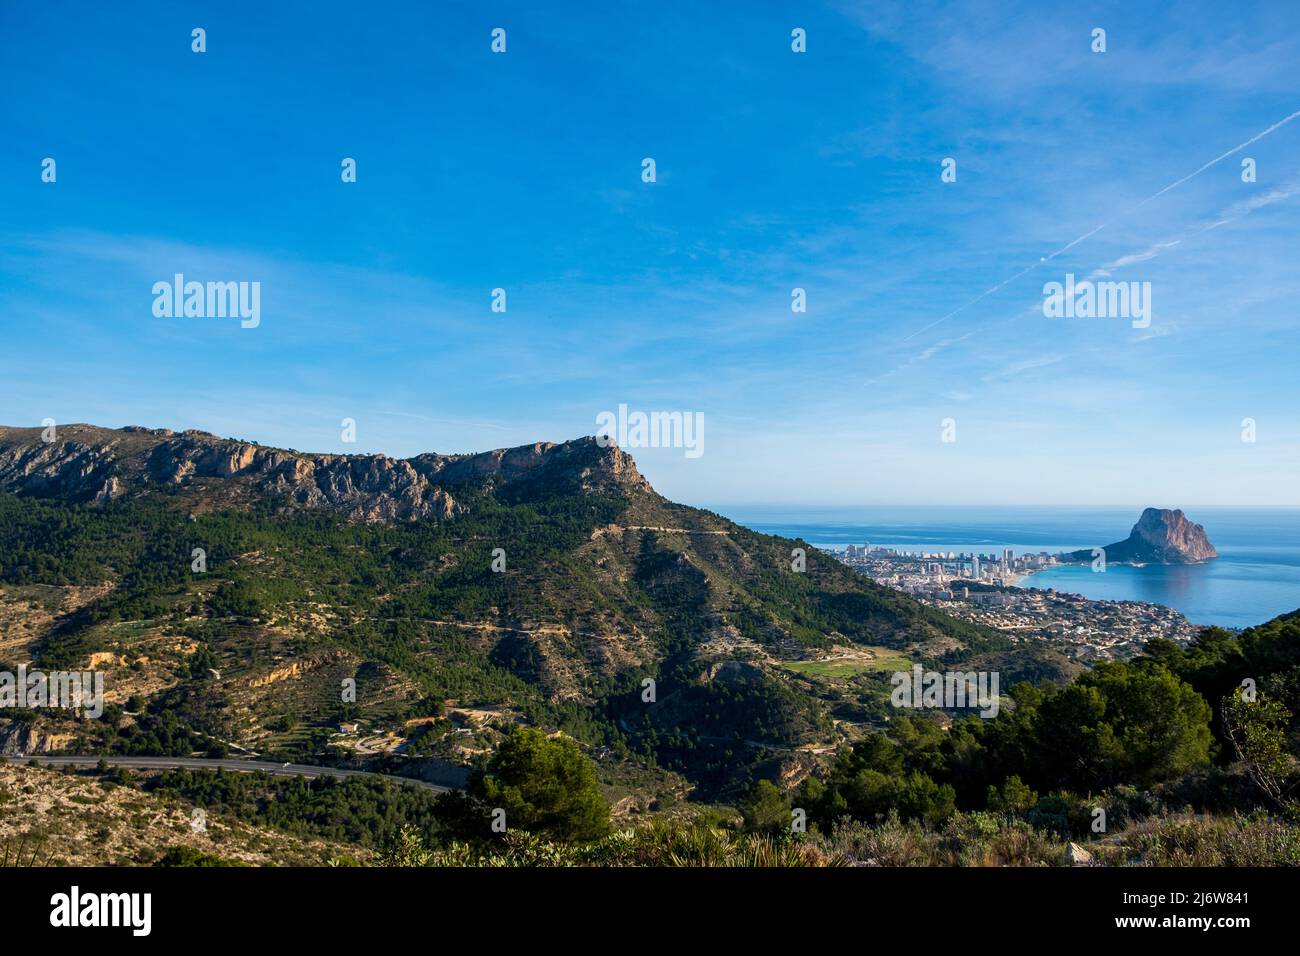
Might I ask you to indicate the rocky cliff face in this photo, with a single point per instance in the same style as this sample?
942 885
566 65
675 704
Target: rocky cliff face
89 464
1161 536
1170 534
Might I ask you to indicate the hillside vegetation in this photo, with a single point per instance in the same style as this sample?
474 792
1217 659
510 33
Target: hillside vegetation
308 579
592 654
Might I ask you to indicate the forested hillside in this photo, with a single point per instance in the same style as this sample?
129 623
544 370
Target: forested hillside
229 590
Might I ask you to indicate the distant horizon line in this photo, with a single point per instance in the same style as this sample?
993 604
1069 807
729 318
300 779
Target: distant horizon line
1186 509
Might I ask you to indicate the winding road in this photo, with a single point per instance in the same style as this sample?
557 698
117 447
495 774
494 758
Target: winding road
237 766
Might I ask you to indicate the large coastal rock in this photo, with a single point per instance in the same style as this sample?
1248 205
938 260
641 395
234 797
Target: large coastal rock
1161 536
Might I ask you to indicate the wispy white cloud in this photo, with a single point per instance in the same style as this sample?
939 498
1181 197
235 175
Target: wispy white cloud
1019 368
1237 210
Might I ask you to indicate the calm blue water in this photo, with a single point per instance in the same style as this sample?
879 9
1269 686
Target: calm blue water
1256 576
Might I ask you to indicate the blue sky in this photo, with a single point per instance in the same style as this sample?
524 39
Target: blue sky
775 170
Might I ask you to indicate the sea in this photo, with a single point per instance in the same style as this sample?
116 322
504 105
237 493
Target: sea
1256 576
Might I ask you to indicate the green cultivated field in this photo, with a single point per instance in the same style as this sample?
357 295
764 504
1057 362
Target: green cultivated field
875 659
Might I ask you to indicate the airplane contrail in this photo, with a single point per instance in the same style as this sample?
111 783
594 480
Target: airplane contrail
1092 232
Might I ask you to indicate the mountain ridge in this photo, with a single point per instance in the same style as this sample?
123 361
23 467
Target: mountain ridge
543 584
88 463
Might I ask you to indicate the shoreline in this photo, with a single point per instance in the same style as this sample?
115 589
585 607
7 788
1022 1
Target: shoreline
1234 590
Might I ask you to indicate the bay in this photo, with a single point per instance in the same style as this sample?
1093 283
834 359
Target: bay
1256 576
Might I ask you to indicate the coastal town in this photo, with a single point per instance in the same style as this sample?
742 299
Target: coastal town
982 589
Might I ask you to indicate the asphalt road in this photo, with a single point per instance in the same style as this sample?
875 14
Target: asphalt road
237 766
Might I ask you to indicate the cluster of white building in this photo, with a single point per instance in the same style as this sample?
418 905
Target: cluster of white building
930 570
